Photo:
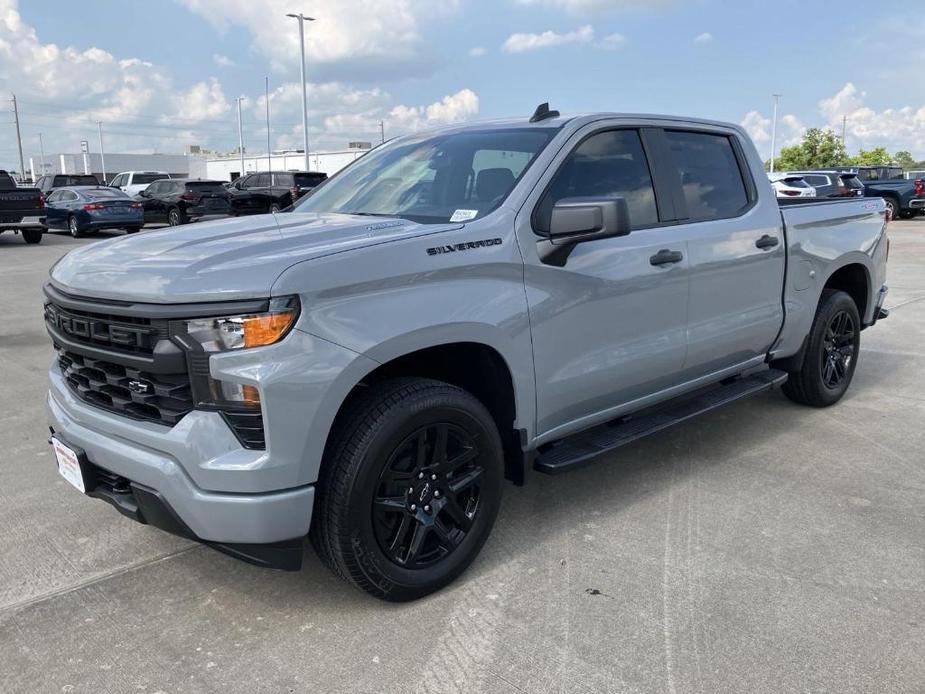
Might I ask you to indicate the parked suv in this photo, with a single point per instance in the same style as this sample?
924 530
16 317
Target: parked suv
260 193
181 200
832 184
49 182
454 307
133 182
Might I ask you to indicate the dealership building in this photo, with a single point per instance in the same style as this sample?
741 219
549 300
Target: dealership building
194 164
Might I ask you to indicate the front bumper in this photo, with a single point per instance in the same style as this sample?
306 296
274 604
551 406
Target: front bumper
127 448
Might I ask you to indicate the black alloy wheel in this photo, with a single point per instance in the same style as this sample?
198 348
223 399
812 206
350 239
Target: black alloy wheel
838 350
428 496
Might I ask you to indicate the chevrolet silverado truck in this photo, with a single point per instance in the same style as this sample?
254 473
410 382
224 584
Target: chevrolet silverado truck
451 310
21 209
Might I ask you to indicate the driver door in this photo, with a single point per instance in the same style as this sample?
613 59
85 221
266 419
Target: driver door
610 326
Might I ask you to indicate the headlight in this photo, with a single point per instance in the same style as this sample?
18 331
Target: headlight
240 332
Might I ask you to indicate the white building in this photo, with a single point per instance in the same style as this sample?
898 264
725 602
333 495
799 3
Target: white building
228 167
178 165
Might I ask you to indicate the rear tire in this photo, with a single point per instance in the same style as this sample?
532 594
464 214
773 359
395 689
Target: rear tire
32 236
906 214
74 227
274 208
831 353
409 488
132 230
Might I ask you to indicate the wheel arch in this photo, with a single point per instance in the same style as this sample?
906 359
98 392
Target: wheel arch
476 366
853 278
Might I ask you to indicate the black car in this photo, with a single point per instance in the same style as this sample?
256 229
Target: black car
49 182
833 184
181 200
271 191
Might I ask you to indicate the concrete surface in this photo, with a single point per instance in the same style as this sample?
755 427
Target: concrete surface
763 548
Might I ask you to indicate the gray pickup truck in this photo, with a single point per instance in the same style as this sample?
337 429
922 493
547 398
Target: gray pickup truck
453 308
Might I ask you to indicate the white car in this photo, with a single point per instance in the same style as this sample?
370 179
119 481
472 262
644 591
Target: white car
133 182
791 186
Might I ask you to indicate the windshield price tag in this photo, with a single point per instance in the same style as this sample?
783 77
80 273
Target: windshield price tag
463 215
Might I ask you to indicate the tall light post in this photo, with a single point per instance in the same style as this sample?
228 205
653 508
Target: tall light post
774 130
240 133
99 129
302 19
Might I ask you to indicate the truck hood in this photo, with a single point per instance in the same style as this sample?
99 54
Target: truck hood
237 258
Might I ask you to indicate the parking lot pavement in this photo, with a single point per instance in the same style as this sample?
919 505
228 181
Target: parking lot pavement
762 548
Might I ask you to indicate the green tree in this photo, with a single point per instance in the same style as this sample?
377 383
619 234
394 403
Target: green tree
819 149
872 157
905 160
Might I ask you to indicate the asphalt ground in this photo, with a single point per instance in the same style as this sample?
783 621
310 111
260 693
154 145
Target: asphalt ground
765 547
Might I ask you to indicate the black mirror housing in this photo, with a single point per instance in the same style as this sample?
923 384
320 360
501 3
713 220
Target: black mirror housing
575 220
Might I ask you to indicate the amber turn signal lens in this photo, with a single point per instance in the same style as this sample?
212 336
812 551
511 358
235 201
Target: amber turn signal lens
267 328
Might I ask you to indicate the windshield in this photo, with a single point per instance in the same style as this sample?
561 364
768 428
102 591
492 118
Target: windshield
449 177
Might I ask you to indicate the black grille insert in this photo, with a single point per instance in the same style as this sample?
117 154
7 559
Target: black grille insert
117 333
161 398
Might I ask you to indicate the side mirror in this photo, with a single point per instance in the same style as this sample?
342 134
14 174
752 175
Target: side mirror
576 220
142 193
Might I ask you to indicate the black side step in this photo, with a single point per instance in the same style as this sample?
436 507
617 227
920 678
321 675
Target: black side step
584 448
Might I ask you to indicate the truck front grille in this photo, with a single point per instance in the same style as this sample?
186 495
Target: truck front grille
161 398
110 332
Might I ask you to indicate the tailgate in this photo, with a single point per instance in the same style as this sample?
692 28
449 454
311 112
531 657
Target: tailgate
24 199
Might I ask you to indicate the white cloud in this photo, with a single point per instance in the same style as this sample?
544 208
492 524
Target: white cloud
222 60
612 42
477 52
359 39
518 43
789 131
705 37
584 6
866 128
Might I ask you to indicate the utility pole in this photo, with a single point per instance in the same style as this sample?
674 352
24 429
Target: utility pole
381 131
99 129
240 133
774 130
302 19
22 165
42 151
844 127
266 84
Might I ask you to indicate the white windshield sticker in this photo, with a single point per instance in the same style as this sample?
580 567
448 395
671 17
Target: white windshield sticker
463 215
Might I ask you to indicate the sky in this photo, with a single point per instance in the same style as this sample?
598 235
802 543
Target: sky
161 74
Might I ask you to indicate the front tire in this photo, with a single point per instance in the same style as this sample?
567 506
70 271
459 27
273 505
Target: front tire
409 488
32 236
831 353
175 218
132 230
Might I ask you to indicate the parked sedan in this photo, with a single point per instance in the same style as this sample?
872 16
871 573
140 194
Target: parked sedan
272 191
791 186
181 200
80 209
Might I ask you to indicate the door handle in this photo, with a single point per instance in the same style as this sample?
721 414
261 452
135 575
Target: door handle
666 257
766 242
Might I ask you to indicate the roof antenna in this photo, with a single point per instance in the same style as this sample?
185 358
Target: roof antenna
542 112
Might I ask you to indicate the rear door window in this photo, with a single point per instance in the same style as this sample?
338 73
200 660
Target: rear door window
283 179
711 180
309 180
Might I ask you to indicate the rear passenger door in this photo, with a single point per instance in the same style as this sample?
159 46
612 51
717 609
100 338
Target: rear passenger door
736 251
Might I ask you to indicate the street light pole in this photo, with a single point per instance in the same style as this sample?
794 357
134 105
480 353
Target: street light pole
99 127
302 19
240 134
774 130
